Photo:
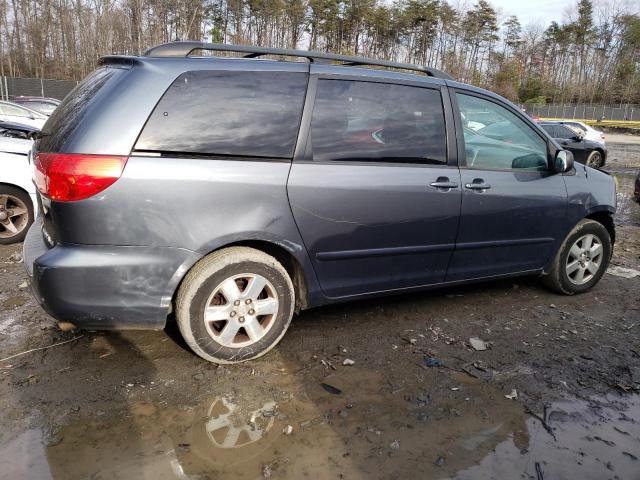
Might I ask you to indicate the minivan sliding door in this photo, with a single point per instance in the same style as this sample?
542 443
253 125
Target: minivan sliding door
375 196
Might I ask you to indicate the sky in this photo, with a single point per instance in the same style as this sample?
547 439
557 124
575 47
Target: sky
531 11
543 12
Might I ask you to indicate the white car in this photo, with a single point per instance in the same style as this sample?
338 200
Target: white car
12 112
590 133
17 191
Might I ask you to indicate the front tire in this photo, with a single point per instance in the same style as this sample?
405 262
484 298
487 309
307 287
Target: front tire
235 305
595 159
581 260
16 214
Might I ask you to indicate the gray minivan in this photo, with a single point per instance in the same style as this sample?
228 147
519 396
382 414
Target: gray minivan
237 191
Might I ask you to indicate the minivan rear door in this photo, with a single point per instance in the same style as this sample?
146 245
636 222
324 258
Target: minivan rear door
374 186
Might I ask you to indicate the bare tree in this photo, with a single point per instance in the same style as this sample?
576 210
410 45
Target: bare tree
593 55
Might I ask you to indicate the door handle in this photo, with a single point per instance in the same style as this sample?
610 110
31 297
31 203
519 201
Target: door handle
443 183
478 184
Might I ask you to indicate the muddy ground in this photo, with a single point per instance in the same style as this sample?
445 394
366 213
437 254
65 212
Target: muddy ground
552 397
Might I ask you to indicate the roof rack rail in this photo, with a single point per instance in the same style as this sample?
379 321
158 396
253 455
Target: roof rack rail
185 48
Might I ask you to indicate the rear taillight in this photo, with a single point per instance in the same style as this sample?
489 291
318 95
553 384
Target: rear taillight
66 177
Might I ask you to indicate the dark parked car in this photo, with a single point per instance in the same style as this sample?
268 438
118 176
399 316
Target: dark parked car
589 152
636 190
235 192
44 105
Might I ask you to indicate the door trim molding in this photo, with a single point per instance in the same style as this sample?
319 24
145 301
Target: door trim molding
391 251
503 243
382 252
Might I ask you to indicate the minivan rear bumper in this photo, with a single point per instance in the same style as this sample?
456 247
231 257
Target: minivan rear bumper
105 287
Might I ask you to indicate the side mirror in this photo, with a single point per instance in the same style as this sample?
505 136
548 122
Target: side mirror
564 161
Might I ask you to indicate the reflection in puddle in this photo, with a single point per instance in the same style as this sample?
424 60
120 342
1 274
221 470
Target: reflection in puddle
373 429
226 429
628 211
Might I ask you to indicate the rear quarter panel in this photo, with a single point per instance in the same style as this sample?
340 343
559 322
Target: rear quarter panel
199 204
195 204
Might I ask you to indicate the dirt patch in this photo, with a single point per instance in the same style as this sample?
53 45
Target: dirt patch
623 151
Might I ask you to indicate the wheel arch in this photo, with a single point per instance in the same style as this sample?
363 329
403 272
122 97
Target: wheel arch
605 218
22 189
602 215
291 264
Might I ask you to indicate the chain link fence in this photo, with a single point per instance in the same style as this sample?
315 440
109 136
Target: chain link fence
625 112
11 87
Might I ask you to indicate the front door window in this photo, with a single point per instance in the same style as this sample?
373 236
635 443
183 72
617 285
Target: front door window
497 139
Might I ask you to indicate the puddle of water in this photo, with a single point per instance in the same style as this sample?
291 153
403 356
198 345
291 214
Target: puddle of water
628 212
372 429
13 302
596 440
25 457
12 332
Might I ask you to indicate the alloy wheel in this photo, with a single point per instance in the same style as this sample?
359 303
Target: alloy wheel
241 310
14 216
595 160
584 259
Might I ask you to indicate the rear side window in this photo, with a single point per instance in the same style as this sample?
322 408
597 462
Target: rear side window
550 129
250 114
70 114
564 132
367 121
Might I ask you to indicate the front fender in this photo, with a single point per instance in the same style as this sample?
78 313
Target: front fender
589 191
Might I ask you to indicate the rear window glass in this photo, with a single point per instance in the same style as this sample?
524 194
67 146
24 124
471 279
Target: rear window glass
46 108
72 111
254 114
377 122
13 110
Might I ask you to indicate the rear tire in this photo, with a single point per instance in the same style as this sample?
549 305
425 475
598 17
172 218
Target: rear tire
595 159
16 214
581 260
235 305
